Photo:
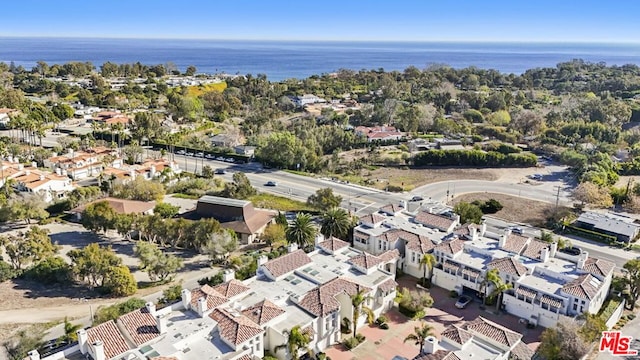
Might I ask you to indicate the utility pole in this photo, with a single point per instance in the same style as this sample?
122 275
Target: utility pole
557 198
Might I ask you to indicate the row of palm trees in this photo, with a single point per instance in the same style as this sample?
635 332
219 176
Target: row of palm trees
336 222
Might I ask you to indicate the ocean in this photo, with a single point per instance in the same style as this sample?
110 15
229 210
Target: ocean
296 59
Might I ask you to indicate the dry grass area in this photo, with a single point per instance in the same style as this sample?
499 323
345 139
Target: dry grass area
20 294
409 179
515 209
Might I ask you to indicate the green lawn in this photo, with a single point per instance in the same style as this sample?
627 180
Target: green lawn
280 203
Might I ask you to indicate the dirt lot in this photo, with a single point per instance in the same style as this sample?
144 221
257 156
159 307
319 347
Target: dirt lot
514 209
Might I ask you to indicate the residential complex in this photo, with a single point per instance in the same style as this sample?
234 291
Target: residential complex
240 320
546 284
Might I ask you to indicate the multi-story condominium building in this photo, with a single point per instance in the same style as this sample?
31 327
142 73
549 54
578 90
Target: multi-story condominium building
80 165
546 284
240 320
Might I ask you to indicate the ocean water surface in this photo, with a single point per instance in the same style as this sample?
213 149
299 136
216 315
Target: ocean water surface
297 59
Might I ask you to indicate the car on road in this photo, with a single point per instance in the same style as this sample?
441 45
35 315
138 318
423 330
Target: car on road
220 172
190 154
463 301
417 198
220 158
516 230
208 156
229 160
200 154
537 177
181 152
271 183
575 251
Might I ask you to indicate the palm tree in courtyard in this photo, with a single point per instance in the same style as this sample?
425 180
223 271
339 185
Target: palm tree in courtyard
420 334
491 278
70 330
301 231
357 300
296 340
499 288
426 263
335 222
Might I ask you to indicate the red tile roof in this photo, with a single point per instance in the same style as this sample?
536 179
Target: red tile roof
108 333
493 331
372 219
263 312
389 255
235 327
521 352
121 206
287 263
456 334
332 244
508 265
231 288
141 325
388 285
392 209
365 260
584 287
534 249
450 247
321 300
434 221
515 243
598 267
438 355
214 298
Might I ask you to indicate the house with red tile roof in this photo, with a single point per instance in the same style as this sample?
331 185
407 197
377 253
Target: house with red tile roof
379 133
31 180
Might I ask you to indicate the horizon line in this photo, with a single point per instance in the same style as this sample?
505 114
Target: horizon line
110 37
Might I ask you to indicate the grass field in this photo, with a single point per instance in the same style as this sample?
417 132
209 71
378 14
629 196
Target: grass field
201 89
280 203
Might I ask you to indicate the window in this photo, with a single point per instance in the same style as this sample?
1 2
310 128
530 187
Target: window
413 257
575 307
257 344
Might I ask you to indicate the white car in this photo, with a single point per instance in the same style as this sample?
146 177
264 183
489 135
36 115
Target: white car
181 152
463 301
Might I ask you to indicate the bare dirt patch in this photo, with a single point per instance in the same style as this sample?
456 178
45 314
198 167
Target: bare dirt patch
20 294
409 179
515 209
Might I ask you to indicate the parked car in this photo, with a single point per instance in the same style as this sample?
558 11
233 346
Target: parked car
417 198
190 154
516 230
229 160
536 177
220 158
208 156
463 301
181 152
271 183
220 172
200 154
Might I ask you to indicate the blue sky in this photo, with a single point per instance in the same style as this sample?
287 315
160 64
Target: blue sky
405 20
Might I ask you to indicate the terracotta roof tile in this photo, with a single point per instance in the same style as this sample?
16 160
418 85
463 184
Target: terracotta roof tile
231 288
263 312
214 298
521 352
389 255
287 263
515 243
508 265
585 287
598 267
332 244
392 209
457 335
141 325
493 331
550 300
235 327
321 300
450 247
388 285
121 206
365 260
371 219
525 291
534 248
438 355
108 333
434 221
164 358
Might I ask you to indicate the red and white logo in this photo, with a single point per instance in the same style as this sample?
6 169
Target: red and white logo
616 344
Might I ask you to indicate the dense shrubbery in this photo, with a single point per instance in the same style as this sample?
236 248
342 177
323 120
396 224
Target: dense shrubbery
112 312
49 270
473 158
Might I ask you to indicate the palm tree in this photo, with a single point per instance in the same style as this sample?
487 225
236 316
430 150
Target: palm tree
501 287
426 263
491 277
296 340
301 231
420 334
358 300
335 222
70 332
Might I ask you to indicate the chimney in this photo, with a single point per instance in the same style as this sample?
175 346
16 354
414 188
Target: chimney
151 307
186 298
554 249
82 340
319 239
98 350
70 151
403 203
544 255
132 173
152 170
228 275
33 355
483 228
502 241
41 177
34 164
202 306
582 259
58 171
474 232
430 345
456 217
292 247
161 323
262 260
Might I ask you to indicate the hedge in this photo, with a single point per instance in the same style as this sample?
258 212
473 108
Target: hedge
473 158
593 235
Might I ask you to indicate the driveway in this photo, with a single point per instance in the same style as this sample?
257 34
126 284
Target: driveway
385 344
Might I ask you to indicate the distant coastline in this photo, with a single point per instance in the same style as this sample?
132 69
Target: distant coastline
300 59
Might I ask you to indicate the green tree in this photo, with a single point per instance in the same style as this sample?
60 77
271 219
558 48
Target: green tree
98 216
62 111
27 207
154 262
324 199
190 71
24 341
562 342
632 268
593 327
420 334
93 263
50 270
171 294
207 172
140 190
301 231
114 311
274 235
427 261
336 222
491 279
358 301
166 210
120 282
70 332
240 188
469 213
220 245
33 246
296 340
